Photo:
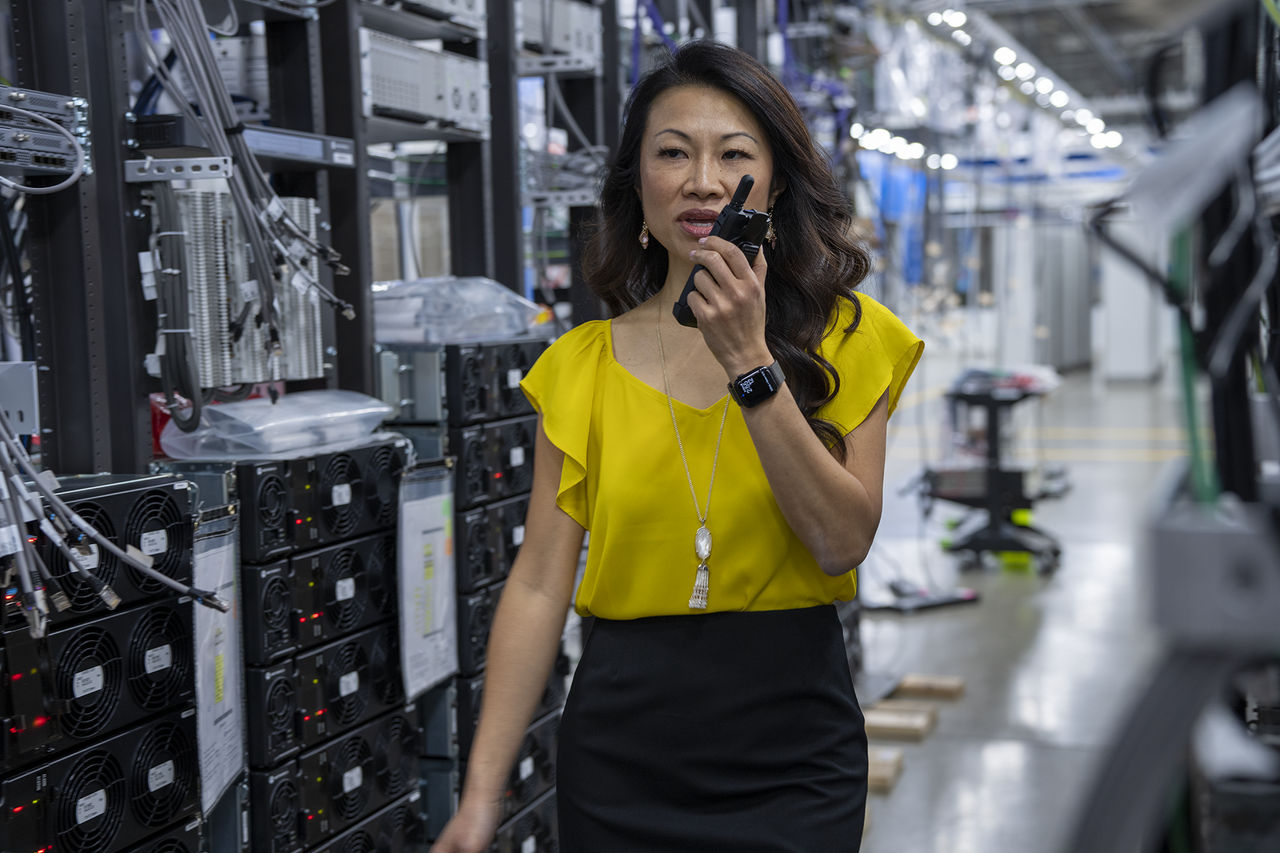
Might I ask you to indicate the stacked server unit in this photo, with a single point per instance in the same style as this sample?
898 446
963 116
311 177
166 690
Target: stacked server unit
331 745
98 750
465 400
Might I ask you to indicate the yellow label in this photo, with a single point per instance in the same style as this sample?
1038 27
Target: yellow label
219 678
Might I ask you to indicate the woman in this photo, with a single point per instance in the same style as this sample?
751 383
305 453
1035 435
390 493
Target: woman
712 708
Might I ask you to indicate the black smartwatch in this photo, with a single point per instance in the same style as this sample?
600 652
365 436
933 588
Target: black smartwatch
756 386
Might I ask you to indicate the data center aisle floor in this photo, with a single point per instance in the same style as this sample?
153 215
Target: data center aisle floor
1050 663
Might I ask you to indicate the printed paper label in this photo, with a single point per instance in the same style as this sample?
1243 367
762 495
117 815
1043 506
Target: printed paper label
249 290
10 541
348 684
342 158
160 776
346 589
352 779
90 806
87 556
157 659
526 768
154 542
514 376
342 494
87 681
529 845
517 457
517 535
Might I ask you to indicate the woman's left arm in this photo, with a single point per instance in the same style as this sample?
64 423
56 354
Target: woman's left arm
833 508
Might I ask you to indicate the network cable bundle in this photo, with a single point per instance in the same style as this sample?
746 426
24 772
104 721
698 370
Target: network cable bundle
332 748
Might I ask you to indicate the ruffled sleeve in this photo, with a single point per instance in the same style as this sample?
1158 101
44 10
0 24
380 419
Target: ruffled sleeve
561 385
878 357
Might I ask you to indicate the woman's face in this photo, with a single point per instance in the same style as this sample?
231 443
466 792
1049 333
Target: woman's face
698 143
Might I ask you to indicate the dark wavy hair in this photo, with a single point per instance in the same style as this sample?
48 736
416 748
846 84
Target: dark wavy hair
815 261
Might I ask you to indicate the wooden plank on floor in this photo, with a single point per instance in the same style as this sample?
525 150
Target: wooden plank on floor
885 768
916 685
898 725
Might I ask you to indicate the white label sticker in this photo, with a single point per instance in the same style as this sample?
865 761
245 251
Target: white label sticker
352 779
300 282
275 209
160 776
517 535
86 556
529 845
342 494
517 457
157 659
10 541
526 768
346 589
154 542
344 158
87 681
91 805
249 290
514 375
348 684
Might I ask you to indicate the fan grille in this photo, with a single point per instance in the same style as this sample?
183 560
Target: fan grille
477 546
350 661
83 597
344 575
159 658
340 481
273 501
382 575
473 471
275 610
360 842
170 845
284 813
511 357
472 383
163 774
90 804
351 769
385 666
381 481
153 514
88 681
399 832
397 748
282 708
520 477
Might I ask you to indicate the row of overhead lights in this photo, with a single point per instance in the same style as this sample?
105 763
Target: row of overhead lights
1042 88
879 139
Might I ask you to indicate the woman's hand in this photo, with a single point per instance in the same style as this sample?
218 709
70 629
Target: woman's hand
471 829
729 304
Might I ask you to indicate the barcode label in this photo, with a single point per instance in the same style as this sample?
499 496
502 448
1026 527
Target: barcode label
10 541
342 494
352 779
157 659
87 681
517 457
90 806
348 684
154 542
346 589
160 776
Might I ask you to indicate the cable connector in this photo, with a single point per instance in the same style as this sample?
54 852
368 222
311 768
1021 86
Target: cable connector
109 597
60 601
210 599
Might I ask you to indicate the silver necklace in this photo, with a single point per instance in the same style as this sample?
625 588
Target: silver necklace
702 538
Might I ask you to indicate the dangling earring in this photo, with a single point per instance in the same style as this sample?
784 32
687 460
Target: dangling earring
644 234
771 236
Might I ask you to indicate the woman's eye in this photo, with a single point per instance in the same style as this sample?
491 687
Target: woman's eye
669 152
736 154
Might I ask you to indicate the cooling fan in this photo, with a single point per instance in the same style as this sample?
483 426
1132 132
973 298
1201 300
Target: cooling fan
382 484
281 714
90 804
282 814
340 483
359 841
171 845
382 575
401 830
159 529
468 390
398 749
345 588
160 659
271 503
88 680
384 664
350 772
512 362
102 563
473 470
275 612
347 683
163 776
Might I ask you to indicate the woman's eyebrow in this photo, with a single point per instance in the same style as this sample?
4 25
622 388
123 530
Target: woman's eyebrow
684 135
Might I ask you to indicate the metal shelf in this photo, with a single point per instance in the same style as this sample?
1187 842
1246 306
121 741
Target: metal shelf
561 198
529 65
383 129
407 23
280 147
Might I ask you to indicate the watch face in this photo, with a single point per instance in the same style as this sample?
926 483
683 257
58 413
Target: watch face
756 386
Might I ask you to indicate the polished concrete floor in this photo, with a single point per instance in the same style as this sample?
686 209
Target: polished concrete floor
1050 661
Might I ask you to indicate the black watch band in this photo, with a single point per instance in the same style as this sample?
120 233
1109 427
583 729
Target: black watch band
756 386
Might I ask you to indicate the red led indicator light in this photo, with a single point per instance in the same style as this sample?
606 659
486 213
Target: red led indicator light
16 676
18 809
40 721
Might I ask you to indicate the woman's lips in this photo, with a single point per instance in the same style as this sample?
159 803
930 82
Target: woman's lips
697 228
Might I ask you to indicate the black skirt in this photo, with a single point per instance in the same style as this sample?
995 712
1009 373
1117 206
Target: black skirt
719 732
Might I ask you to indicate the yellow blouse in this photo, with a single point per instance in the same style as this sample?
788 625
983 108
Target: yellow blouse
622 479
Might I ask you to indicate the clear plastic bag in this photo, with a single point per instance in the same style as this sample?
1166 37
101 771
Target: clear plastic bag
450 309
259 427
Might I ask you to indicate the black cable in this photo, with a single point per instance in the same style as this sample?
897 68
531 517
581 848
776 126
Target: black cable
1155 68
145 104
